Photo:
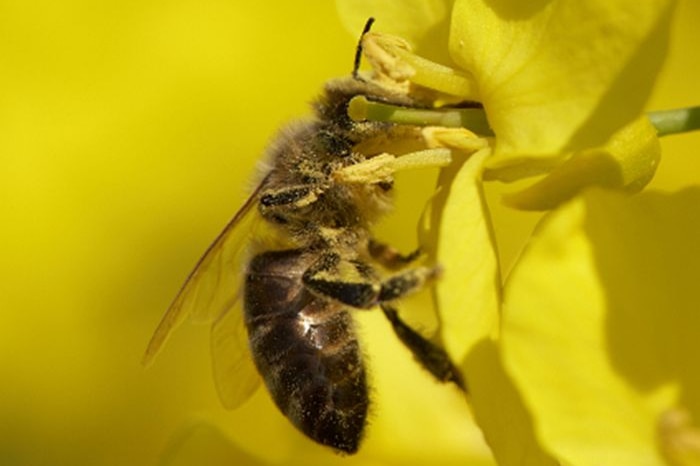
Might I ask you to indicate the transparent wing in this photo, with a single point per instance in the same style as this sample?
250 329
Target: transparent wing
234 372
211 288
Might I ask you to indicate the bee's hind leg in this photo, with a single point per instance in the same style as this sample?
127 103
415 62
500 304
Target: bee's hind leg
431 356
355 283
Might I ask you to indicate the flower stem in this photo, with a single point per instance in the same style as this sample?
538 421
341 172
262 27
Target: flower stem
680 120
473 119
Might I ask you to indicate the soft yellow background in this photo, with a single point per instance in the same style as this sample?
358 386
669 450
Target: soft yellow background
128 131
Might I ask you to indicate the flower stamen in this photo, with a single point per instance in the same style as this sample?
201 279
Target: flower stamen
393 60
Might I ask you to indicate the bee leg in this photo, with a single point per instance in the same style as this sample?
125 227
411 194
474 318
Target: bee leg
390 257
296 195
276 204
406 282
349 282
431 356
355 283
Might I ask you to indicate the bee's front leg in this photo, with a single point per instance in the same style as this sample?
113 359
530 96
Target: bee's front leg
276 204
295 195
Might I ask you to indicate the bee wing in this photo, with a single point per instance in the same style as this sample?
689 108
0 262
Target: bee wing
234 372
212 287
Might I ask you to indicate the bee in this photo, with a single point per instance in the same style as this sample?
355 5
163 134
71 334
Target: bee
314 263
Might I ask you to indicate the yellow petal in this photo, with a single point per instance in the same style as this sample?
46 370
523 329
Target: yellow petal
468 298
627 162
468 294
600 325
499 410
425 23
561 75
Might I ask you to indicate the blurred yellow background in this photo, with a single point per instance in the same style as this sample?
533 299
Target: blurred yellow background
128 131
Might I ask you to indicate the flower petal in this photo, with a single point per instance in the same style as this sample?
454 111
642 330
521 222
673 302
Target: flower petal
499 409
468 295
627 162
600 325
468 299
562 75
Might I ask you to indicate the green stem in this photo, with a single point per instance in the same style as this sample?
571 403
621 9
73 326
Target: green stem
473 119
680 120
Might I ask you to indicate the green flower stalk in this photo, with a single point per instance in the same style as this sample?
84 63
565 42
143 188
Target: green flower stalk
676 121
474 119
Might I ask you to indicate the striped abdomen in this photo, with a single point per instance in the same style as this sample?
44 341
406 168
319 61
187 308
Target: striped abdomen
305 348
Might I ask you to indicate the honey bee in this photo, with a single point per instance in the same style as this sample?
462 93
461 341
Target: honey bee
312 264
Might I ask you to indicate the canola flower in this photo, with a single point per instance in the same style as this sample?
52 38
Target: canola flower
585 353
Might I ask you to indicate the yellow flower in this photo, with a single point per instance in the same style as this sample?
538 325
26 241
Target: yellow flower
563 85
559 76
128 131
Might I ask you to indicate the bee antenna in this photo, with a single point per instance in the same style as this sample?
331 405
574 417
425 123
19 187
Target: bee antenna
358 50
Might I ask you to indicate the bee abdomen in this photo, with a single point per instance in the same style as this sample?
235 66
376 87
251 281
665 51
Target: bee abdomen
307 353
